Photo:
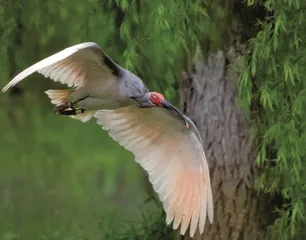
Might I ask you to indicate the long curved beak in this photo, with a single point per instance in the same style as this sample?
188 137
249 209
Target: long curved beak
171 108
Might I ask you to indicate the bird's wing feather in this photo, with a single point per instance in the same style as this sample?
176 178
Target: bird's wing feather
73 66
173 157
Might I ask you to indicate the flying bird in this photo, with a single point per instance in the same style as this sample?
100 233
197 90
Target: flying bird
165 142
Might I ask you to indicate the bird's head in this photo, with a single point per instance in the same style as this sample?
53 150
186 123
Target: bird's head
155 99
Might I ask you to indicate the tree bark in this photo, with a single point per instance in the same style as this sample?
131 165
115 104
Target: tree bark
209 99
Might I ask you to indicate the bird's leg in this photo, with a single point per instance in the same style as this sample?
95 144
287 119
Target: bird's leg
69 109
66 109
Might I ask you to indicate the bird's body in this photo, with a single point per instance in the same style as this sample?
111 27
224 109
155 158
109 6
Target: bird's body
111 95
165 142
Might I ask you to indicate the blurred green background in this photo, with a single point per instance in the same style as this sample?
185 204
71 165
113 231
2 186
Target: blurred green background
61 179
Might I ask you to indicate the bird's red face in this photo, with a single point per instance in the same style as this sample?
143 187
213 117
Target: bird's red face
157 98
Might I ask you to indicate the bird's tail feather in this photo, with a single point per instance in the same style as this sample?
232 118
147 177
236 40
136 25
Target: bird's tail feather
59 97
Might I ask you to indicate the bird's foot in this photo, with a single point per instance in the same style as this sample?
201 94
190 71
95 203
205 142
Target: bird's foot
68 109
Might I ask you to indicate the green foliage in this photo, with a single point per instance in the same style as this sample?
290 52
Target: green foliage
273 85
147 37
152 226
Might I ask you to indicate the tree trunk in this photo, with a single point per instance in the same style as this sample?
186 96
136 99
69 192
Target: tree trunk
209 99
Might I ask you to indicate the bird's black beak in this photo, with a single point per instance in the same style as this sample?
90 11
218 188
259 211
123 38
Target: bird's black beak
171 108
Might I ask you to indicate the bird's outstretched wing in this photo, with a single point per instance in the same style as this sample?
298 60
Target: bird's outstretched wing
74 66
173 157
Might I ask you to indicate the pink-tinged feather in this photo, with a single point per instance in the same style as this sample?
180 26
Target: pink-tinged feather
77 76
59 69
173 157
189 205
202 219
196 209
176 200
61 74
58 97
